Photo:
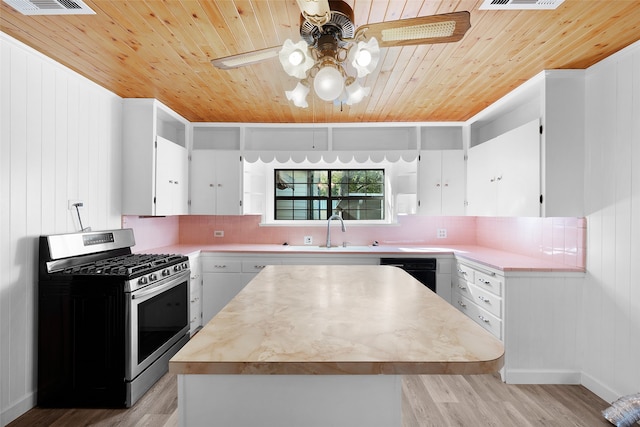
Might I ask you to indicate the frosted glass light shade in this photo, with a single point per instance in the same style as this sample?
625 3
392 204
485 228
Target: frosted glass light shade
364 56
356 92
295 58
298 95
328 83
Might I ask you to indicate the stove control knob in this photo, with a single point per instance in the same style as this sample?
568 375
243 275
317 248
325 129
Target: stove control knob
177 268
166 272
153 277
142 281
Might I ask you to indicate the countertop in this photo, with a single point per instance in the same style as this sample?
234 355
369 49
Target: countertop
501 260
338 320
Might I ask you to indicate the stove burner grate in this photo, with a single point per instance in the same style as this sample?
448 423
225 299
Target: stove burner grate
125 265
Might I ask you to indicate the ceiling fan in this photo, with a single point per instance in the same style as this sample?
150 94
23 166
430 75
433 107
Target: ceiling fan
335 55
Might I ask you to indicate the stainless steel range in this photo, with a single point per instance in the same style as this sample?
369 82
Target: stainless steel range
108 320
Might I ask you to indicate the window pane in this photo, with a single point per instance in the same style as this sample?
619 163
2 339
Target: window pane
306 194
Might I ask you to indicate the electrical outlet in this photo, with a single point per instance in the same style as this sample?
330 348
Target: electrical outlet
71 204
442 233
308 240
218 233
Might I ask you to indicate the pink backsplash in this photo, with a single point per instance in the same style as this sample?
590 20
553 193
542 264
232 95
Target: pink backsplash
555 239
153 232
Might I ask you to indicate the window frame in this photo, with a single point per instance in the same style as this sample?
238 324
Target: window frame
329 198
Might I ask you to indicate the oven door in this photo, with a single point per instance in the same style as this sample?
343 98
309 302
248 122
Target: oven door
158 317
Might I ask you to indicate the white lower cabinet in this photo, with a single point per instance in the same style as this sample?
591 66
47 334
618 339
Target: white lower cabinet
224 276
481 302
535 314
195 295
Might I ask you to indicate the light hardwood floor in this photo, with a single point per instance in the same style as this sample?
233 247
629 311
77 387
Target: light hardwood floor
433 400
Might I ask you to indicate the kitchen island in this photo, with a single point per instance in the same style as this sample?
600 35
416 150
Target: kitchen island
324 345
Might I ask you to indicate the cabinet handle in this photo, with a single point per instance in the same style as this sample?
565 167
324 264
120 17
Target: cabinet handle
210 185
438 185
461 304
195 300
170 181
483 299
486 282
464 273
220 266
499 178
462 287
175 182
258 267
219 185
484 319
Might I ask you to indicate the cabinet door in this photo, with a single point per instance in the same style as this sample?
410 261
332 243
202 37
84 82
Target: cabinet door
218 289
430 182
229 183
171 178
481 188
203 192
453 181
215 182
518 168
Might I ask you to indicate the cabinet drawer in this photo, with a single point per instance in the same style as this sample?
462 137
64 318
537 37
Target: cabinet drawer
462 288
255 265
464 272
482 317
221 265
485 299
489 282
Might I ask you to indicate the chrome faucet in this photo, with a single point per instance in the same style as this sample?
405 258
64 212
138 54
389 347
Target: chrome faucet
334 216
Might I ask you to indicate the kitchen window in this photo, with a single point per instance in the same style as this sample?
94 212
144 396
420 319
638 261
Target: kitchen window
316 194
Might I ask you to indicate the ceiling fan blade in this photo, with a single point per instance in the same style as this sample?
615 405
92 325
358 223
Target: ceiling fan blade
248 58
316 12
444 28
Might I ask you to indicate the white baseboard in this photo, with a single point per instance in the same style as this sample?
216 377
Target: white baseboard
532 376
598 388
17 408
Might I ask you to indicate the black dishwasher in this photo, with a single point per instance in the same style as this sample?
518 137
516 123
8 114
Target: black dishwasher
423 269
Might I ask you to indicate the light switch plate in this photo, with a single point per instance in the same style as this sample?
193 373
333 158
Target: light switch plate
442 233
308 240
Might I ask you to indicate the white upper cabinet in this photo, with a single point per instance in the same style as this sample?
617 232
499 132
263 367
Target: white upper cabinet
441 171
154 158
441 182
504 174
548 112
172 172
216 171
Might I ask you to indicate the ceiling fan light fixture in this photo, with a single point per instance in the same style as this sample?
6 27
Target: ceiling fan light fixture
328 83
298 95
365 56
295 58
356 92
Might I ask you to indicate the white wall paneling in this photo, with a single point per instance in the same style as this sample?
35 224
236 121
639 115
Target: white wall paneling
611 309
60 140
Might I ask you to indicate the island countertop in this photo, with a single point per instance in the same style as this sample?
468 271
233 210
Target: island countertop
328 320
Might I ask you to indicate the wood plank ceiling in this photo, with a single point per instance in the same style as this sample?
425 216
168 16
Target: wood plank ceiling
162 49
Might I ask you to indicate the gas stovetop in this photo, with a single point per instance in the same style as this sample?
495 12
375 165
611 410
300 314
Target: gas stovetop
126 266
105 254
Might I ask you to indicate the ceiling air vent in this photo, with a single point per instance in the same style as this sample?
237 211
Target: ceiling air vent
50 7
520 4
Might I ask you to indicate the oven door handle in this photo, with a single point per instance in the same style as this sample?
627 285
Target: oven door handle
155 289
